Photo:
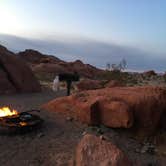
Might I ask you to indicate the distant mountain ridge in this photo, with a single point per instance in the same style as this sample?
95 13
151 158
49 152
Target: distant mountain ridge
34 56
50 64
41 63
90 51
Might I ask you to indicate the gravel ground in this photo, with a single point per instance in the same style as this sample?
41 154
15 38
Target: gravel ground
55 142
27 101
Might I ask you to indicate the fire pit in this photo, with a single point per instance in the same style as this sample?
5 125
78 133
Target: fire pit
13 121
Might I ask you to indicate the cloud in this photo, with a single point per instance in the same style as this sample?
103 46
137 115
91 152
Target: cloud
90 51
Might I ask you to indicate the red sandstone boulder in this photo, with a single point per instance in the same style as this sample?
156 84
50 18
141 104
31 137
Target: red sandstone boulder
92 151
88 84
114 83
5 85
116 107
16 74
63 105
116 114
88 111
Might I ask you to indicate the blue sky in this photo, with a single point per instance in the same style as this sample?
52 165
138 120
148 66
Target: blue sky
139 24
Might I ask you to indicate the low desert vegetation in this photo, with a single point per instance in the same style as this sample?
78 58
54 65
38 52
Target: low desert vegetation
123 77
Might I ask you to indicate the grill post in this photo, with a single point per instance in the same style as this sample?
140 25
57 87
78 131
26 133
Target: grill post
68 78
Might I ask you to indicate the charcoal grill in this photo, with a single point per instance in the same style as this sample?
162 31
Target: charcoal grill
22 122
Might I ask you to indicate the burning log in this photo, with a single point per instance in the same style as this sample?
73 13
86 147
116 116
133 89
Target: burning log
12 119
5 111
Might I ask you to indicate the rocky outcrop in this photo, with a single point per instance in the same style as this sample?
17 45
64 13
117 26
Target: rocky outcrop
93 151
114 83
82 69
49 68
119 111
149 73
51 64
5 85
16 76
140 107
35 57
88 84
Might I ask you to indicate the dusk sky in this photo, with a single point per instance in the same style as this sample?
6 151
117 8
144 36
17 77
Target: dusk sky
136 23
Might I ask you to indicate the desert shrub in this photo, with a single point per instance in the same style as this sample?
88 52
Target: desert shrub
123 77
164 77
110 75
45 77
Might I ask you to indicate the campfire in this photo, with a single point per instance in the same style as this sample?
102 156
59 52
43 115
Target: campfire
5 111
12 119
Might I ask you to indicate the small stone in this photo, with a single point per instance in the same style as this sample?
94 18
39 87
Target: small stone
156 150
99 131
144 149
104 128
151 146
164 153
69 118
84 133
151 150
40 135
137 150
103 137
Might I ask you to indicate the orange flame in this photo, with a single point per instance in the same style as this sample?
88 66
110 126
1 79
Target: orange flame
5 111
23 123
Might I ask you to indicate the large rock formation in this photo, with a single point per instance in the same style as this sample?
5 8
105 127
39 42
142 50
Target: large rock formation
5 85
35 57
16 76
51 64
115 107
116 110
93 151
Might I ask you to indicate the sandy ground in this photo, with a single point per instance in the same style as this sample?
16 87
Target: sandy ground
51 145
55 142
